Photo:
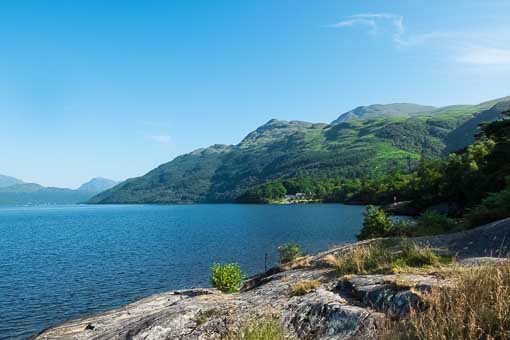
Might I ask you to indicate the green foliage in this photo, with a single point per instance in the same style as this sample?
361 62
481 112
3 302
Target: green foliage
495 207
416 256
289 252
264 193
226 277
375 224
432 223
378 224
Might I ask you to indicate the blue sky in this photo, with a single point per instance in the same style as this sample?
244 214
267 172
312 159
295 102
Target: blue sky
115 88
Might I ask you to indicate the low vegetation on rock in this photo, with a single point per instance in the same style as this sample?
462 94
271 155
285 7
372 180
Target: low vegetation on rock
226 277
269 328
304 287
477 306
289 252
376 223
377 258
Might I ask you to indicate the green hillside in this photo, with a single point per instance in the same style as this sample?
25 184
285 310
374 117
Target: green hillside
387 110
356 148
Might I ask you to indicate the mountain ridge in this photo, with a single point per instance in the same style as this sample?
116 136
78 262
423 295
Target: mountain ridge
22 193
97 184
6 181
378 110
286 149
410 110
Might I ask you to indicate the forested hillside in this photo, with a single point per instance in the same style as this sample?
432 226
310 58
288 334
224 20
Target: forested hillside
281 150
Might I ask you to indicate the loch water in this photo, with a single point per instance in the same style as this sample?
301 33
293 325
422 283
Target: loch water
60 262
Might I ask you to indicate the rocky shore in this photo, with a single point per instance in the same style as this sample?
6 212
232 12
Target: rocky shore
340 307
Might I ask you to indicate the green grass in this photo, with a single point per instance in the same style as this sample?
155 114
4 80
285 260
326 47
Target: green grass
375 258
268 328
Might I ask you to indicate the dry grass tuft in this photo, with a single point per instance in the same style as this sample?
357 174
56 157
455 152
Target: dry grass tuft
330 261
269 328
375 258
304 287
299 263
477 306
365 259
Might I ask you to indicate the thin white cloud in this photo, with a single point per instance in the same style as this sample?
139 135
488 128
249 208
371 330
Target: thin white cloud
375 22
482 49
162 139
352 22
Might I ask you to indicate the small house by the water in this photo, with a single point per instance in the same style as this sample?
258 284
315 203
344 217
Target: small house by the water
296 197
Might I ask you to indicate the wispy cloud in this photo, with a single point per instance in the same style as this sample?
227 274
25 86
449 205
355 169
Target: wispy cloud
375 22
162 139
467 48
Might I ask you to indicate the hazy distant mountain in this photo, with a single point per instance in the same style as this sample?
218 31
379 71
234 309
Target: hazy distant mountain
387 110
34 194
6 181
21 193
354 148
98 184
22 188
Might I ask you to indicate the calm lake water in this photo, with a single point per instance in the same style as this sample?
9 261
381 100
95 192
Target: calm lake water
59 262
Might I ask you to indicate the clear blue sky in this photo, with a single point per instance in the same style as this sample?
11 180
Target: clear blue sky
115 88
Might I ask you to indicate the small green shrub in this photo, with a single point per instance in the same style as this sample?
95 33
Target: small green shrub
226 277
268 328
289 252
433 223
401 228
304 287
416 256
376 223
